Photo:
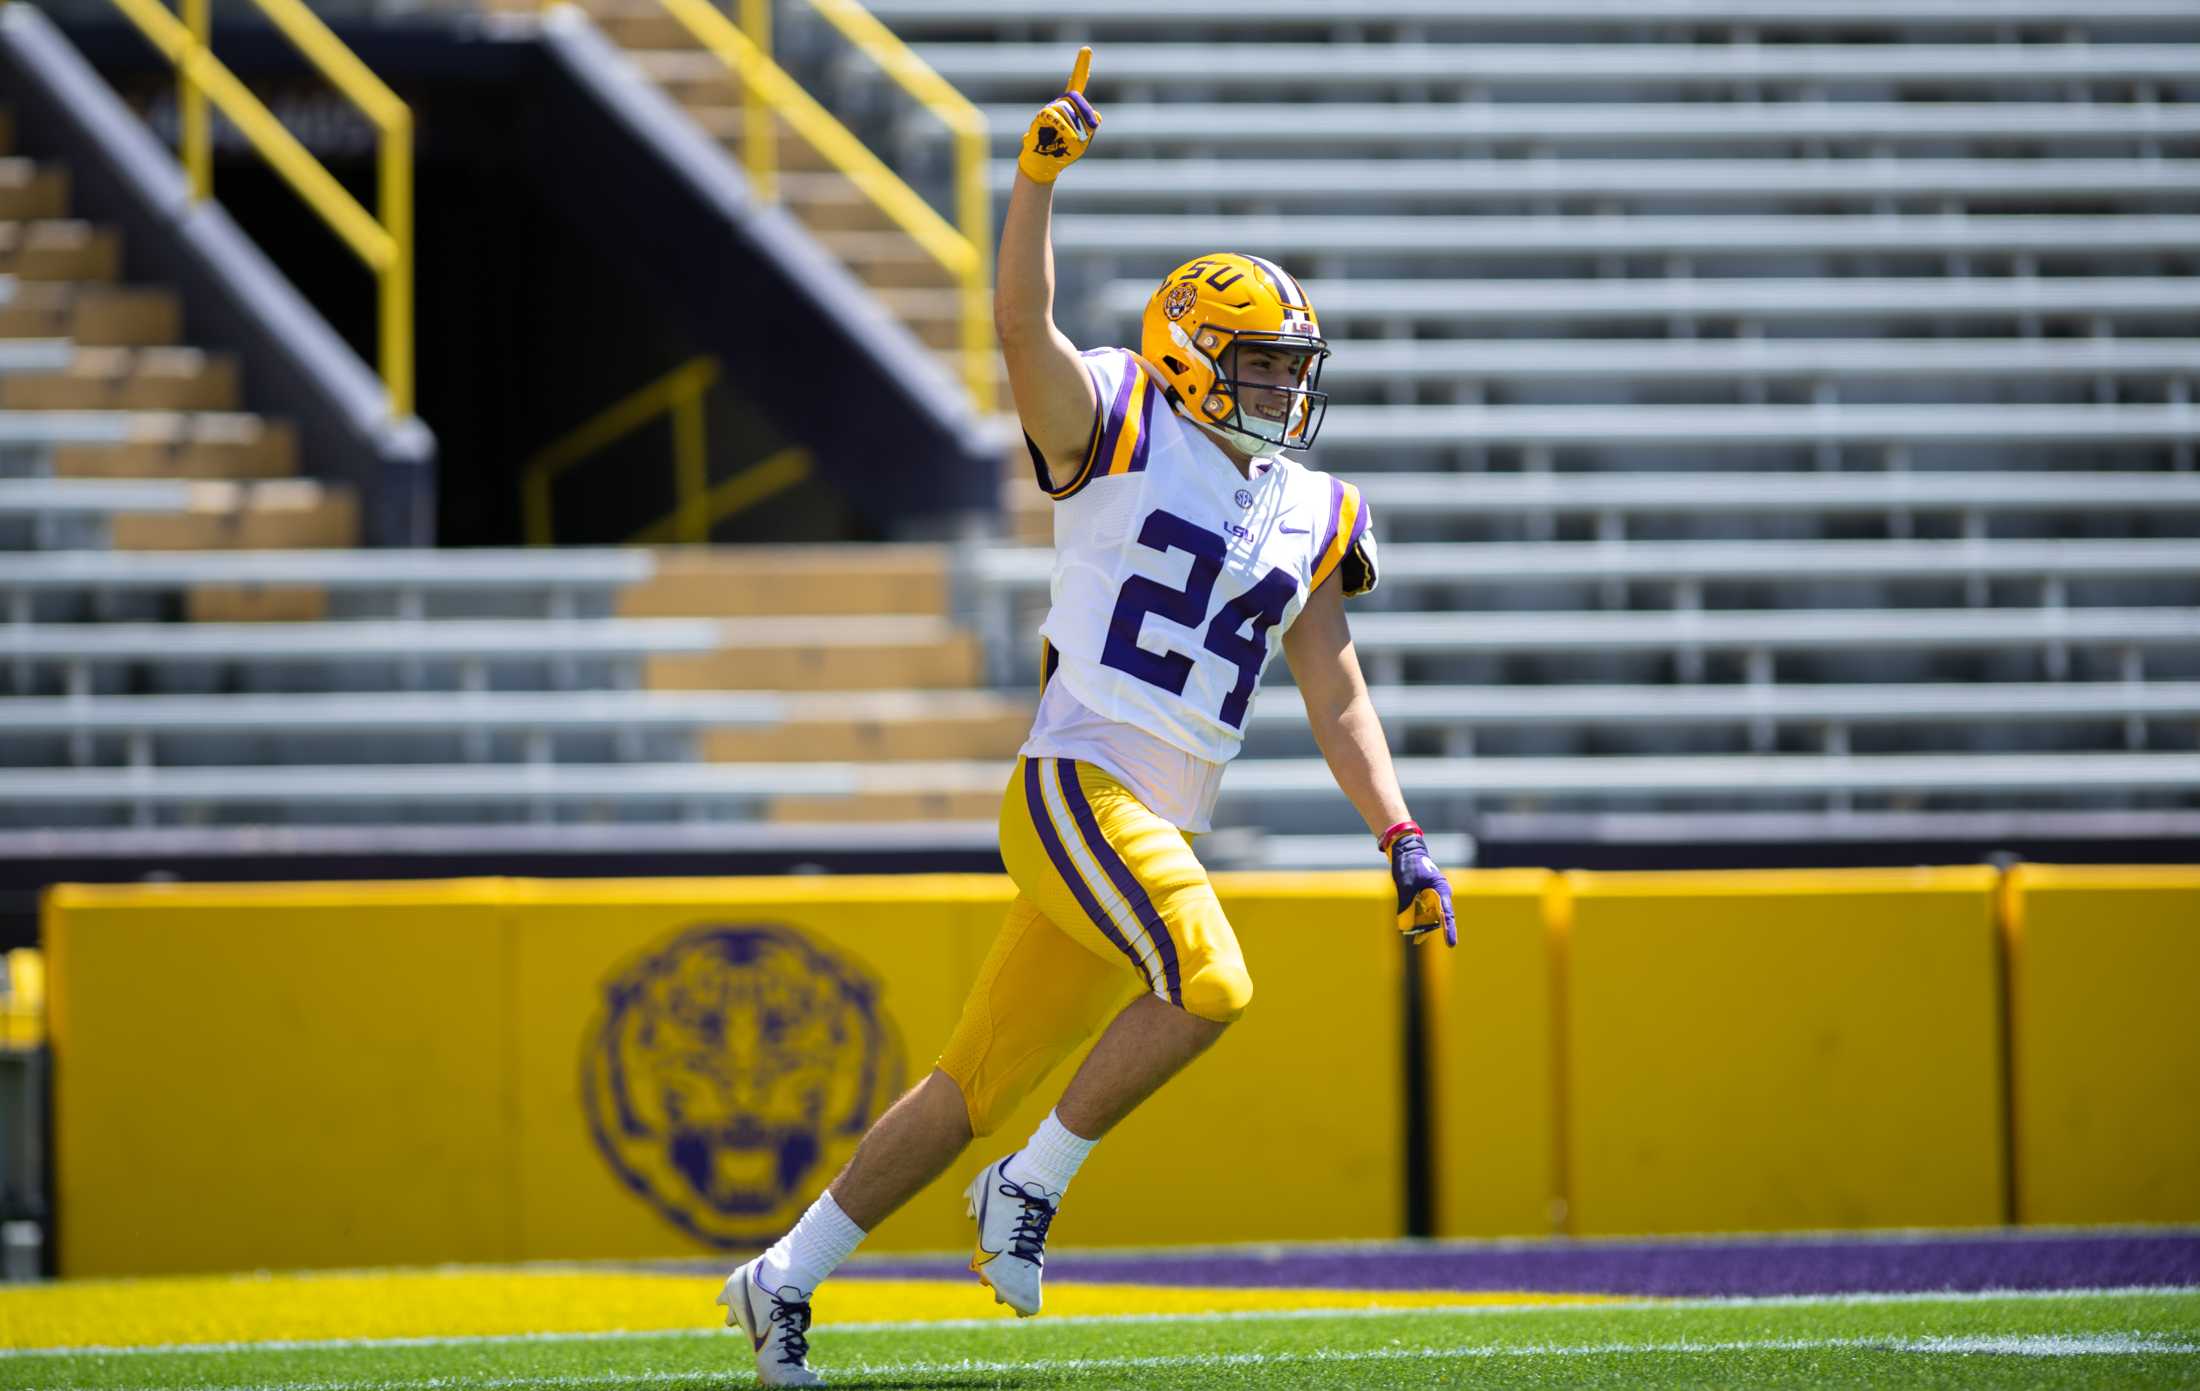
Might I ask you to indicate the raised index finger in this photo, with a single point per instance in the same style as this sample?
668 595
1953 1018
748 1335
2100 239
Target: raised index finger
1083 69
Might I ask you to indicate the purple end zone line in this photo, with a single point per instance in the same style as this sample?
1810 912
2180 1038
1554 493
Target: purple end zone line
1860 1265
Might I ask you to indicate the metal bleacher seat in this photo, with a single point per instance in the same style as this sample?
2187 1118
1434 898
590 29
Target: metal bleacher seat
1375 362
994 72
1449 566
46 514
1445 127
542 791
393 727
1455 714
1139 240
1518 302
1203 183
1320 18
378 654
558 583
1898 503
34 355
1391 428
1648 251
1723 374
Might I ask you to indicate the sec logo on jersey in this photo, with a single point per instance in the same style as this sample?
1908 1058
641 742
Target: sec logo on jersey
730 1071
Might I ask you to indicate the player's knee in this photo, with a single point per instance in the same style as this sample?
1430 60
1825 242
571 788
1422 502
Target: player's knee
1219 991
987 1104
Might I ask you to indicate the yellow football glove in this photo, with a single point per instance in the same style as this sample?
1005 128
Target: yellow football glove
1062 130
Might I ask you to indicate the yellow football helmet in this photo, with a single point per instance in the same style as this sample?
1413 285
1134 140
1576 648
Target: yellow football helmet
1211 311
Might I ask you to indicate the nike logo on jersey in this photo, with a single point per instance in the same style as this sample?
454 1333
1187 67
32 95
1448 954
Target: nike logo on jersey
1294 530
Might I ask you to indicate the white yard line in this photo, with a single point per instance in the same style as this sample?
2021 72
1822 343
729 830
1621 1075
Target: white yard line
1035 1327
2023 1345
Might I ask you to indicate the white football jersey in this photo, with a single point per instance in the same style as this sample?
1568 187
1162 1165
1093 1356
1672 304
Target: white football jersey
1175 576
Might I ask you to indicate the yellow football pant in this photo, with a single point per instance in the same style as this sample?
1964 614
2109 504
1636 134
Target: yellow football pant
1111 901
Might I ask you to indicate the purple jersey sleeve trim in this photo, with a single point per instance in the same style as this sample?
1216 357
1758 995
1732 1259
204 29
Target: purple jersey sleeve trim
1093 451
1112 430
1145 424
1336 516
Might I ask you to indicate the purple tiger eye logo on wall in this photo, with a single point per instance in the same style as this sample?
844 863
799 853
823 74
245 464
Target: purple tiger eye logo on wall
730 1070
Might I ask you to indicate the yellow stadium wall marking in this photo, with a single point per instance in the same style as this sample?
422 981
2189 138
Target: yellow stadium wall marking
246 1074
342 1075
1766 1051
480 1303
1493 1058
2105 1050
407 1073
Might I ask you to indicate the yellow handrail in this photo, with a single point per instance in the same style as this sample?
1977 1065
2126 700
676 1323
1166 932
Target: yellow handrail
743 490
973 206
385 244
679 393
963 252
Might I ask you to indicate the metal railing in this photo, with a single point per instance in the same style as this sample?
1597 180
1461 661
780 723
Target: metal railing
973 205
385 244
699 504
961 248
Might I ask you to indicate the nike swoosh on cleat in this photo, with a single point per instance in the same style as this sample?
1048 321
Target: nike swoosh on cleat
749 1304
985 1200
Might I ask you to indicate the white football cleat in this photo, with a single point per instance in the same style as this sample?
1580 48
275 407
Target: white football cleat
1012 1236
778 1323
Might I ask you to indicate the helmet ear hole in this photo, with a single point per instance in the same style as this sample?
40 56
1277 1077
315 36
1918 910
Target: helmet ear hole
1173 365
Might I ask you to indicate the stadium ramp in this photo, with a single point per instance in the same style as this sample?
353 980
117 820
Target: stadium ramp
735 250
119 394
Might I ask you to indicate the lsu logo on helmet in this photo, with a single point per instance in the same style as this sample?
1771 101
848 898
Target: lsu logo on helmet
730 1070
1202 325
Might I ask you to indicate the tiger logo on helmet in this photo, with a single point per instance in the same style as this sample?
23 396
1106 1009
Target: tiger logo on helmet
1236 340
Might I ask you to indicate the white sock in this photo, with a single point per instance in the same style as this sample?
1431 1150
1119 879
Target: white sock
1050 1158
813 1250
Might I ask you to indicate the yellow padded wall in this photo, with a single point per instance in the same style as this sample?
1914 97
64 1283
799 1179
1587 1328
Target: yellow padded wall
696 1058
1492 1043
1763 1051
1313 1070
278 1075
1292 1126
2105 1043
350 1074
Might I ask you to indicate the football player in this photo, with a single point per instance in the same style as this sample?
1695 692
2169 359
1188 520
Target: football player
1189 548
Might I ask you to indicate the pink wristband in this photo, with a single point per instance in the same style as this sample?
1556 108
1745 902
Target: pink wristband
1402 828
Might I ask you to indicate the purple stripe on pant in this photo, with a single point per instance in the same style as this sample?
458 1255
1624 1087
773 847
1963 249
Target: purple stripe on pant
1067 868
1126 883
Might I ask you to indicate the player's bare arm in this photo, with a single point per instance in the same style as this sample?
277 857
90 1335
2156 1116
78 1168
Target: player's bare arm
1327 669
1318 645
1054 396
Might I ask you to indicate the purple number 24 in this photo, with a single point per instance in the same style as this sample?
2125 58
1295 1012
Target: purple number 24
1261 606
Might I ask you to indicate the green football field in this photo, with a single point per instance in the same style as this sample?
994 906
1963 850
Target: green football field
2145 1338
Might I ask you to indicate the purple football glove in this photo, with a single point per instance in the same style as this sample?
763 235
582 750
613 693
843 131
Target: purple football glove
1424 895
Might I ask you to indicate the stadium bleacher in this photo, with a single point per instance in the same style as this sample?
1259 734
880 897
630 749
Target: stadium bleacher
1767 409
1749 351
